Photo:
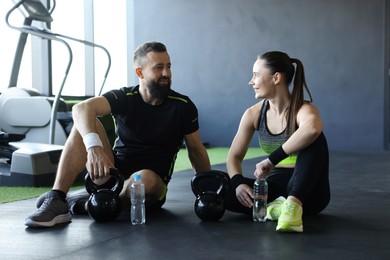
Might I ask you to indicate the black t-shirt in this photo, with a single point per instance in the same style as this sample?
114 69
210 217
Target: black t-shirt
146 133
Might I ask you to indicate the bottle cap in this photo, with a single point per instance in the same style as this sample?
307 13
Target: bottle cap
137 177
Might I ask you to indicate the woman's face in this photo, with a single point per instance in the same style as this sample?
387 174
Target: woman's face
262 80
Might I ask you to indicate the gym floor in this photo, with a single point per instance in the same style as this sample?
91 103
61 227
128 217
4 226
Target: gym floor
355 225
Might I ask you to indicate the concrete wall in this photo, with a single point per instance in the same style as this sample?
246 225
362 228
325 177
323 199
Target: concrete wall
213 44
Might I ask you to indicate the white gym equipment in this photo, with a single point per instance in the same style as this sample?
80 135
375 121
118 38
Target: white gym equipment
31 135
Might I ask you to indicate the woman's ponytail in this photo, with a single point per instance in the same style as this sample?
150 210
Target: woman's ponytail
297 95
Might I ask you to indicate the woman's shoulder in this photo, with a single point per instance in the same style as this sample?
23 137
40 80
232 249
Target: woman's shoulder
256 107
253 111
307 106
308 109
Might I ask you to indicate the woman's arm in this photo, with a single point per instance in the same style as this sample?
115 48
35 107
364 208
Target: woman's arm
241 141
237 153
309 128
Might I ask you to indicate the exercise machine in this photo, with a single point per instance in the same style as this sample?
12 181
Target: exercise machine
31 134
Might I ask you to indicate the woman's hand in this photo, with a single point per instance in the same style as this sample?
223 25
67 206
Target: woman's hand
263 168
244 194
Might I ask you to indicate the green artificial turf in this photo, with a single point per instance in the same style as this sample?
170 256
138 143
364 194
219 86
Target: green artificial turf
217 156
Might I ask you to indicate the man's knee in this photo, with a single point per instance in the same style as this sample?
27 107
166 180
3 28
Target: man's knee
154 186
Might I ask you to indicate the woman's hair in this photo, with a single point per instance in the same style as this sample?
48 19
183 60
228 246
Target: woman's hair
277 61
141 51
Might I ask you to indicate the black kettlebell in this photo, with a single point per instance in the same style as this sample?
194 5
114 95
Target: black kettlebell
104 204
209 204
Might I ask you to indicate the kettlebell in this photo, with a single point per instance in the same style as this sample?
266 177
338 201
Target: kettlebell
104 204
209 204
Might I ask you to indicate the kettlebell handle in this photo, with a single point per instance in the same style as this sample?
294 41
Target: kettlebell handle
92 188
213 174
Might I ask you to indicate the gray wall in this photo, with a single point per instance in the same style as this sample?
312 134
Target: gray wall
213 44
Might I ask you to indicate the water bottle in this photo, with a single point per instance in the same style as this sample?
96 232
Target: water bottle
260 196
137 198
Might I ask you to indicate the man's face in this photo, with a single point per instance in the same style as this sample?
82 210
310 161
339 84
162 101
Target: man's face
156 71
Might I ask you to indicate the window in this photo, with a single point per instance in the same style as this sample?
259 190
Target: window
68 19
106 22
108 28
8 43
110 32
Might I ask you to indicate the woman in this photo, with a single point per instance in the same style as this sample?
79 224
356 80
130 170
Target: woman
290 131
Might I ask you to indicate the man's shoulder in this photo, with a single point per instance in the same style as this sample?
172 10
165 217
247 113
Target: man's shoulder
126 91
174 95
131 90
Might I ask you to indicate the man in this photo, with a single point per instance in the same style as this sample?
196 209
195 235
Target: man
151 122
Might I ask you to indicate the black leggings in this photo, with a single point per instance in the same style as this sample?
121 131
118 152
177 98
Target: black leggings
308 181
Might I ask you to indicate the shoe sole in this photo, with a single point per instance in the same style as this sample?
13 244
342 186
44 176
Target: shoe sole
63 218
288 228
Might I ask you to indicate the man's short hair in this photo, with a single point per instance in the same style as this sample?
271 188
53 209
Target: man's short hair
142 50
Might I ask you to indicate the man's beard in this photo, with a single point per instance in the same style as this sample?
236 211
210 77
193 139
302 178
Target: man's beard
158 91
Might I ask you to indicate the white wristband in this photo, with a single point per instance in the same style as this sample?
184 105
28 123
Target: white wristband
92 140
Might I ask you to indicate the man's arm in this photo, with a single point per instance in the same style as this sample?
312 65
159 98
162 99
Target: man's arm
197 152
85 113
99 161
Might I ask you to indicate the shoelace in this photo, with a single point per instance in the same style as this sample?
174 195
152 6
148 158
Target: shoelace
290 209
44 204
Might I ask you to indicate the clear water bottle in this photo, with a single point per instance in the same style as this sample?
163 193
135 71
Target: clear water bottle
137 198
260 196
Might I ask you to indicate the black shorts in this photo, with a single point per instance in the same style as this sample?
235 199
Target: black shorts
128 167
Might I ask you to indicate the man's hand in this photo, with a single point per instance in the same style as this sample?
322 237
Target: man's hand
98 163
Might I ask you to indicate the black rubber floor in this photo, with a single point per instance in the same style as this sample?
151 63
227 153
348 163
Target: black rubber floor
354 226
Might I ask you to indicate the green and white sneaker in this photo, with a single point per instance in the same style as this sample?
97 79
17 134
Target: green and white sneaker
274 208
290 219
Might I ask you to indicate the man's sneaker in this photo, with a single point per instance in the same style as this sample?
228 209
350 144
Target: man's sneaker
42 198
290 219
52 211
77 200
274 209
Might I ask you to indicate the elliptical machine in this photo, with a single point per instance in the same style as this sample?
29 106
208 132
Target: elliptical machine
31 143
